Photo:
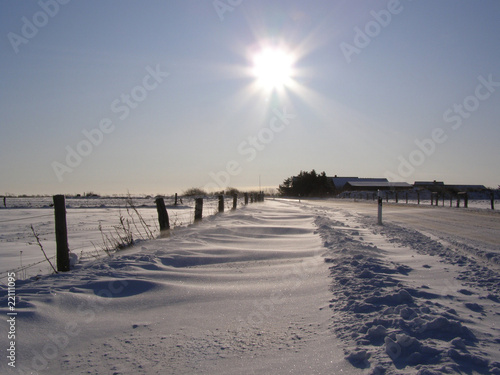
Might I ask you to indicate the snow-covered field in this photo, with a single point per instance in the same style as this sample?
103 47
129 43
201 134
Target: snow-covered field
310 287
88 221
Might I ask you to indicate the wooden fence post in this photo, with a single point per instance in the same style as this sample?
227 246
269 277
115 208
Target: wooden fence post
221 203
162 213
235 201
198 209
492 197
406 197
251 198
418 197
397 197
61 233
175 203
379 208
246 198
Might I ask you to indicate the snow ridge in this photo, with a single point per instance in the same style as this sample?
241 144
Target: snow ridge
388 326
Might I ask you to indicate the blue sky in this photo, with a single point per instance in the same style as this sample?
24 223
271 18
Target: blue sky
159 96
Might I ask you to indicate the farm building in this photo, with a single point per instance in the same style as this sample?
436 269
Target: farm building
340 182
376 185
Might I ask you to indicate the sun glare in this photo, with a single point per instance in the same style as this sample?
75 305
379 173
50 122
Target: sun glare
273 68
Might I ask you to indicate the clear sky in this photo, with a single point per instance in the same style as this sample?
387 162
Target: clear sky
160 96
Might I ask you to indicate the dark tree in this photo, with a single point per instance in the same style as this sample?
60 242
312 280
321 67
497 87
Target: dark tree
307 184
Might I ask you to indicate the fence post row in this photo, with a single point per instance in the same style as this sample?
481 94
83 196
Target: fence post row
162 214
62 249
434 197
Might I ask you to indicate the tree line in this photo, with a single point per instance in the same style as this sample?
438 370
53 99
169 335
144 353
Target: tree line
307 184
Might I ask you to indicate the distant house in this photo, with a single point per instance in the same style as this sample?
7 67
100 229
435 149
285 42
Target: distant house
341 182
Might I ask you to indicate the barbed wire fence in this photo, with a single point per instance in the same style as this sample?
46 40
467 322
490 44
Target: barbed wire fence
143 225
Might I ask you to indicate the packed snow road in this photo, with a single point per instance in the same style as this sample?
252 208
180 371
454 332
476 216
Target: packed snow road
473 228
480 227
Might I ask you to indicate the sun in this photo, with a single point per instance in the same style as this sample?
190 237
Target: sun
273 68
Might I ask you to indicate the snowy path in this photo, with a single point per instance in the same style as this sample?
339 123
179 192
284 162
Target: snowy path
479 227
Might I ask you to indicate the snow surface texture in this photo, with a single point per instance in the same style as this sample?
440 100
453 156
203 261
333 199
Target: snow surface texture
280 287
